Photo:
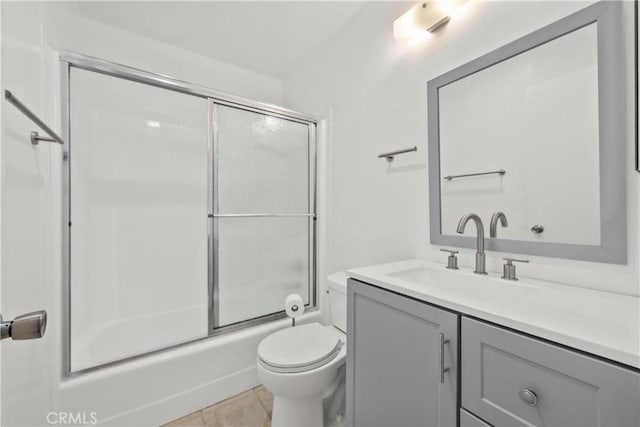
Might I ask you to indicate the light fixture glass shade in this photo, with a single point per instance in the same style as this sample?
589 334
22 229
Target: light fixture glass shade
424 16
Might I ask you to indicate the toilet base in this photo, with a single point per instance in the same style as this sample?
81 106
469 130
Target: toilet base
289 412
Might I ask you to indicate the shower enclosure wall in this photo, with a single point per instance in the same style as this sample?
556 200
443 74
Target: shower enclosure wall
187 212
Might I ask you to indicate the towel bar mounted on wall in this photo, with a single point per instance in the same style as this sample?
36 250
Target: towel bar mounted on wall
498 172
390 155
35 138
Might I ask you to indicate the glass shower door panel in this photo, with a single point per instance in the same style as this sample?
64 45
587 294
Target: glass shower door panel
262 163
260 262
262 205
138 207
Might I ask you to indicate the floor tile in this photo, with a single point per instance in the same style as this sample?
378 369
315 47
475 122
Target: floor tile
192 420
266 399
229 400
244 410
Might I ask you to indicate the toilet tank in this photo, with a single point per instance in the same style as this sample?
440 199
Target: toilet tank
338 299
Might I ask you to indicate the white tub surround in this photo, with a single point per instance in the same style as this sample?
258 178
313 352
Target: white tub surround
605 324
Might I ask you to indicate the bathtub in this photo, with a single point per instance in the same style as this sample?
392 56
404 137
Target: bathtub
163 386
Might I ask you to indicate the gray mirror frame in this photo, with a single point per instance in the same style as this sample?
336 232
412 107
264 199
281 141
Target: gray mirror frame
636 53
612 138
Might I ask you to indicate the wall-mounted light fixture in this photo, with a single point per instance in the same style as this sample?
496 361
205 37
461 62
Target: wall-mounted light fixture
424 16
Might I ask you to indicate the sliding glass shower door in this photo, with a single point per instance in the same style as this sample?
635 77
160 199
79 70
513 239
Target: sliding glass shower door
187 214
137 199
262 205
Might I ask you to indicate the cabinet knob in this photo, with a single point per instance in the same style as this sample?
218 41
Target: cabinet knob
529 397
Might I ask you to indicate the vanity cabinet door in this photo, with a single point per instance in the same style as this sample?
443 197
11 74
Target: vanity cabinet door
394 360
509 379
469 420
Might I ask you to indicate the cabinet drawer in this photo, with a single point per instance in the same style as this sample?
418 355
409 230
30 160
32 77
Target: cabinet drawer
470 420
509 379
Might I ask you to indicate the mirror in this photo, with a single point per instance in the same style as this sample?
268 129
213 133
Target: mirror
536 129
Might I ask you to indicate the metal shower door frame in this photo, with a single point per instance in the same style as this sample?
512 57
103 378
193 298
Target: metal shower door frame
214 215
213 97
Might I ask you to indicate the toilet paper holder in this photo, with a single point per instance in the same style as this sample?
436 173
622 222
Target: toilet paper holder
293 319
293 307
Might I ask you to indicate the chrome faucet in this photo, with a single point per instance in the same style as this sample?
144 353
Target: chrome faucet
481 261
493 227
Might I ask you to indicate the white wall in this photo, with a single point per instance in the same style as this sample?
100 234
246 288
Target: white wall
373 90
148 391
65 28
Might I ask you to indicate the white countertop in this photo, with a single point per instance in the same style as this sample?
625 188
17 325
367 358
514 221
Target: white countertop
602 323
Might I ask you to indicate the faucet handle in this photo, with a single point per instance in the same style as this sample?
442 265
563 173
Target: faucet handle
452 260
451 251
510 260
509 270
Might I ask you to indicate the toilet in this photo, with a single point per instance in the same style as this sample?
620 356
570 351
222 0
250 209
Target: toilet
304 367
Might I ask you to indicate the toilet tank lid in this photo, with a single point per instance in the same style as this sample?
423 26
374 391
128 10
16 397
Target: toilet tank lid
338 281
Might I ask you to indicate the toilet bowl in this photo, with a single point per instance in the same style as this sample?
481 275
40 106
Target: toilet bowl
304 365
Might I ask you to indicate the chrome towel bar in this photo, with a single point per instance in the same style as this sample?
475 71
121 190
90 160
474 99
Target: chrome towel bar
498 172
35 138
390 155
259 215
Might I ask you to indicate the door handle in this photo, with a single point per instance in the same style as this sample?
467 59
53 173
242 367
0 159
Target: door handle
443 370
27 326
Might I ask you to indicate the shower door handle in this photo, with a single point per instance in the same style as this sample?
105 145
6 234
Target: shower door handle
27 326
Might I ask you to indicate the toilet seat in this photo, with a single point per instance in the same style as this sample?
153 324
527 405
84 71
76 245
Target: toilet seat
299 349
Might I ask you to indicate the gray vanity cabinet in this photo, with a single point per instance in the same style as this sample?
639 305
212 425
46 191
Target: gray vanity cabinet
401 360
469 420
510 379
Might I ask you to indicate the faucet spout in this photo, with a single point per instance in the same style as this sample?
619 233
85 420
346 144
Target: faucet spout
479 229
481 263
493 227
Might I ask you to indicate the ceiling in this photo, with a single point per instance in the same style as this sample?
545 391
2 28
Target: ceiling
269 37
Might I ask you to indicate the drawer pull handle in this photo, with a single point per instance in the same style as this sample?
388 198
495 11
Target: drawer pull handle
529 397
443 370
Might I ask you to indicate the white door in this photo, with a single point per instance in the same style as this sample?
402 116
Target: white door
26 260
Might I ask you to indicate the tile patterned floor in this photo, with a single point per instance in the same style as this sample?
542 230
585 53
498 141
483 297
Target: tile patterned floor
249 409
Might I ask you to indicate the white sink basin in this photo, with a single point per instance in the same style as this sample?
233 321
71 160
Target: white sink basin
465 284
